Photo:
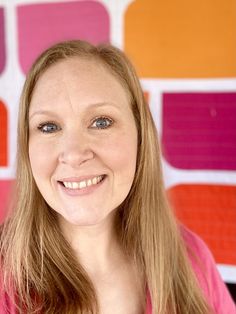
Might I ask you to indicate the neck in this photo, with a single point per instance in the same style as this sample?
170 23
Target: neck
97 247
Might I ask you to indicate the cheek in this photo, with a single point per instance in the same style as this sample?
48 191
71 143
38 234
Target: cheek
121 154
41 159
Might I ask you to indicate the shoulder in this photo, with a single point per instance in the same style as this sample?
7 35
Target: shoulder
207 274
195 245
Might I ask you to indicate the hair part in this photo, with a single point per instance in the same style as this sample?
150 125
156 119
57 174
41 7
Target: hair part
39 267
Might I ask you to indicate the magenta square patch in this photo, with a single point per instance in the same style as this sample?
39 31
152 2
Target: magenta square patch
199 130
41 25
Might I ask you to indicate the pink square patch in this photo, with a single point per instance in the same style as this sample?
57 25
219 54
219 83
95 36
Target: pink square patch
42 25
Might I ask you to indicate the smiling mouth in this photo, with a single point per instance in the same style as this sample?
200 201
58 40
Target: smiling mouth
78 185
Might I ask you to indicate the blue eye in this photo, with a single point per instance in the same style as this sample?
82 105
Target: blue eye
48 127
102 123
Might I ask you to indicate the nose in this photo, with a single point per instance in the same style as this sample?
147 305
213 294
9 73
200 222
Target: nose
75 150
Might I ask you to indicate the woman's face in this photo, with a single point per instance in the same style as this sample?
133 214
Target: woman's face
82 141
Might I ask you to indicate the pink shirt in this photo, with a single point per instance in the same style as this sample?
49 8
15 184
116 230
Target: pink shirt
208 276
209 279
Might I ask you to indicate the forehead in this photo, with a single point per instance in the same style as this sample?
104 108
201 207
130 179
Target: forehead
83 78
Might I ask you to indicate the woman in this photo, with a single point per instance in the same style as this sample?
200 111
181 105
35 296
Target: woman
91 230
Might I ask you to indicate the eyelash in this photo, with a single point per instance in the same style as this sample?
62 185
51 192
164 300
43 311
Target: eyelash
44 124
110 121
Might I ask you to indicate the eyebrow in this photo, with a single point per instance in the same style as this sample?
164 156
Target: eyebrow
97 105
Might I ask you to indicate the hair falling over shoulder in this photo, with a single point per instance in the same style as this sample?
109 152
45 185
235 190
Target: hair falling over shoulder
39 270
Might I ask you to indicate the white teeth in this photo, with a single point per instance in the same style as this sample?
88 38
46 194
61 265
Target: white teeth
69 185
74 185
94 181
82 184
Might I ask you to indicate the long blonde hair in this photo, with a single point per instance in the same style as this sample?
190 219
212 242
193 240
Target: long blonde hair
40 270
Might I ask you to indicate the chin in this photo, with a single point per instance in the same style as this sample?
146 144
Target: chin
82 218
